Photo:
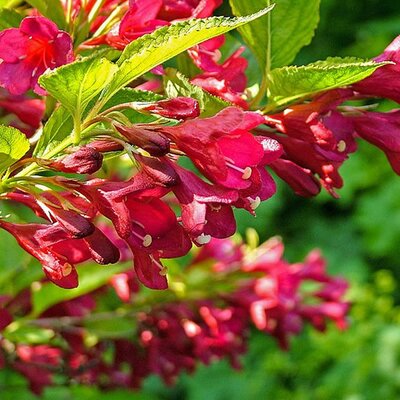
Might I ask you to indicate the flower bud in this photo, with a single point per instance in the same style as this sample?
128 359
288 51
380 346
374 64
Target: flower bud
104 146
177 108
154 142
85 160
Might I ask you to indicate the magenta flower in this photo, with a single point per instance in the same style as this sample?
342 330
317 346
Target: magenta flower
226 80
177 108
28 51
383 131
308 121
222 147
85 160
57 251
384 82
28 111
144 16
206 209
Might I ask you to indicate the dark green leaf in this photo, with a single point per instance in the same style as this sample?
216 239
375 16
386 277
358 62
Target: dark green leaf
277 37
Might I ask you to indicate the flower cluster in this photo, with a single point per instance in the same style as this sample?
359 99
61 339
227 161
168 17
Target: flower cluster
179 331
152 169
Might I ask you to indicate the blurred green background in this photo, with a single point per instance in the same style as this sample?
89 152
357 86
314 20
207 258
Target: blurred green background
360 236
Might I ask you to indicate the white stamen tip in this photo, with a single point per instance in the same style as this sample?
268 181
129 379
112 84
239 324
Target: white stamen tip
203 239
163 271
66 269
147 241
254 203
341 146
247 173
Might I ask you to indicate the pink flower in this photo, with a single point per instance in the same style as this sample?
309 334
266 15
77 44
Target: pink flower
222 147
177 108
385 81
28 51
57 251
316 140
28 111
226 80
310 121
144 16
206 209
383 131
85 160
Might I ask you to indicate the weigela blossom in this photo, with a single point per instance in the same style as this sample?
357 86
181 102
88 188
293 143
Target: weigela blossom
383 131
28 51
226 80
222 147
384 82
29 111
144 16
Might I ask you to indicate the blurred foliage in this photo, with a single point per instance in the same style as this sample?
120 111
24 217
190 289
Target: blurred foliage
359 234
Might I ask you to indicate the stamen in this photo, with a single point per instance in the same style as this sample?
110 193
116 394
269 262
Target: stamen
147 240
203 239
163 270
246 172
66 269
254 203
341 146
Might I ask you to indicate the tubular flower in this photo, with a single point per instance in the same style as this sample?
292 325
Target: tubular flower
222 147
226 80
58 251
384 82
28 51
144 16
28 111
383 131
206 209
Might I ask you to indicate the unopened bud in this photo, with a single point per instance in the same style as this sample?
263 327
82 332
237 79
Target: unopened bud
154 142
177 108
85 160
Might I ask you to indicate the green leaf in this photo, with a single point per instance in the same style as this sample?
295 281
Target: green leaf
276 38
17 332
74 85
9 18
117 327
178 85
13 146
9 3
151 50
128 95
51 9
289 84
58 127
91 277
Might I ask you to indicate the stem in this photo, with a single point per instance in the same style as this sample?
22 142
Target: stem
265 83
95 11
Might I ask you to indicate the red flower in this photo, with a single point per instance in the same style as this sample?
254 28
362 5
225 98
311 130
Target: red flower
28 111
57 251
383 131
144 16
384 82
226 80
221 146
26 52
206 209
